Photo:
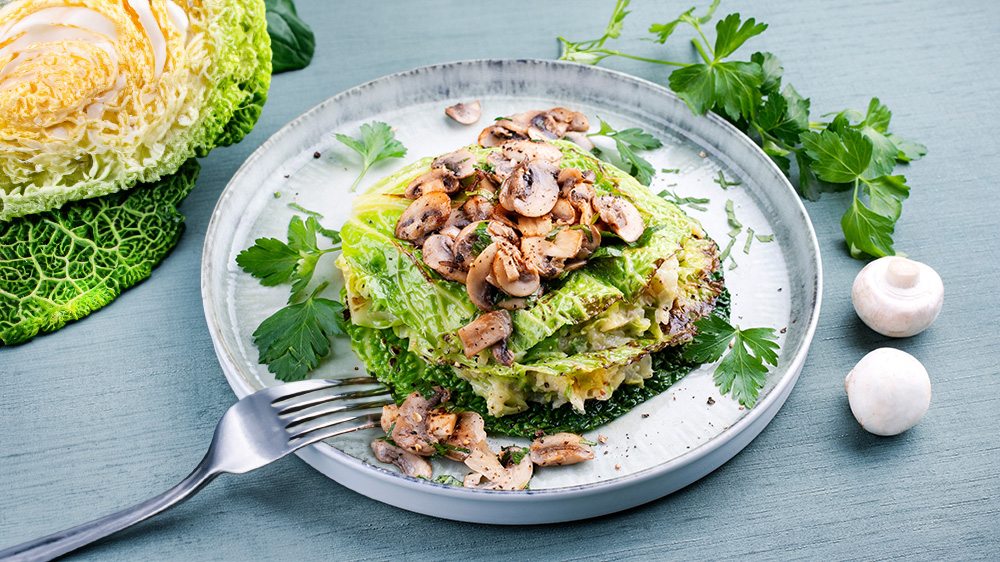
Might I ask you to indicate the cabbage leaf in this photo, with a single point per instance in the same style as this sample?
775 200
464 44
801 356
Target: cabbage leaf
58 266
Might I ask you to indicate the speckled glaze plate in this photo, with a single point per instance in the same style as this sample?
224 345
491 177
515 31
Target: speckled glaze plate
664 444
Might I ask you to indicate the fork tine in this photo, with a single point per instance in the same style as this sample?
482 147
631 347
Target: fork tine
318 399
333 429
338 406
288 391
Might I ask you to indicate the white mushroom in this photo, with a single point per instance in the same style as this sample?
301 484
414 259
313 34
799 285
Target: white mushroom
580 139
521 150
477 208
438 179
889 391
438 254
410 431
531 190
621 216
390 413
560 449
897 297
465 113
499 476
501 132
462 163
425 215
476 285
466 242
470 430
485 331
408 463
513 275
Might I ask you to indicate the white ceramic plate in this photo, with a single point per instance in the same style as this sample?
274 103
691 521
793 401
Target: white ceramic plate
666 443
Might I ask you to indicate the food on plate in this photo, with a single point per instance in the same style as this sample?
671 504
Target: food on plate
545 289
422 427
897 297
889 391
98 96
103 105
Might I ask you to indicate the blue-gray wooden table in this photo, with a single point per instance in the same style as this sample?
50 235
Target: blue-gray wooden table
121 405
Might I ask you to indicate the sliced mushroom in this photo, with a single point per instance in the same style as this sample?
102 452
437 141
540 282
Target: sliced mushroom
536 257
438 179
425 215
410 431
465 113
390 413
461 163
477 208
501 231
501 132
621 216
502 354
503 167
571 175
476 285
513 275
566 244
441 424
438 254
470 430
466 242
521 150
580 139
535 226
531 190
485 331
573 265
486 464
563 213
560 449
458 219
591 242
408 463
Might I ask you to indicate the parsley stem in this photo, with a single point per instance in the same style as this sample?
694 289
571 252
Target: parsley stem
707 44
357 181
610 52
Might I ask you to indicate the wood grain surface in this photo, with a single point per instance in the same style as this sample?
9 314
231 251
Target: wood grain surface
121 405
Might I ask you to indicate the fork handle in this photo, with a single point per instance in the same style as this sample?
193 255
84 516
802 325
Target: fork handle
57 544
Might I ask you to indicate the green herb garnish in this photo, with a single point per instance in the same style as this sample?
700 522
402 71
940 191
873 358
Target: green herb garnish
293 340
377 142
853 151
744 369
627 141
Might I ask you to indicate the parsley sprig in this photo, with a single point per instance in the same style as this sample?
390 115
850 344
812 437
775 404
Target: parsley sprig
377 143
293 340
853 151
627 141
743 371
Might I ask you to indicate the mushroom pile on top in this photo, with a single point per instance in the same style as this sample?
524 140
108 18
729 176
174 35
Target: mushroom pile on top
503 232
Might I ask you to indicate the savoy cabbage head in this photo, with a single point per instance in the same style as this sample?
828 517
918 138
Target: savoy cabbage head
97 96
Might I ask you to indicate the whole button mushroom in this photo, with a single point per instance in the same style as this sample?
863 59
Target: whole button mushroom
897 297
889 391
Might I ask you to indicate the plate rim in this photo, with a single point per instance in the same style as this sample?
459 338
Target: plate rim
767 407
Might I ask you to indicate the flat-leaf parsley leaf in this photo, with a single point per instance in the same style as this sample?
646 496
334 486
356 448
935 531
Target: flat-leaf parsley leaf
743 371
377 142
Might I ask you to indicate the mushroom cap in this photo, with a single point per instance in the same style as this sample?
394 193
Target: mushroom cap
423 216
465 113
501 132
438 254
476 284
438 179
621 216
531 190
408 463
513 275
560 449
889 391
462 163
469 431
521 150
485 331
897 297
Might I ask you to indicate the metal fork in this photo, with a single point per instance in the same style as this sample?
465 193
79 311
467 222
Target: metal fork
259 429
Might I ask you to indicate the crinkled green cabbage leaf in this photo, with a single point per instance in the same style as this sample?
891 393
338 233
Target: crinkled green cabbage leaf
58 266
